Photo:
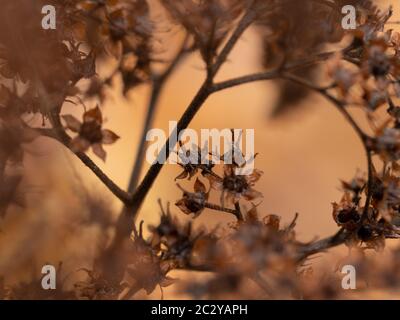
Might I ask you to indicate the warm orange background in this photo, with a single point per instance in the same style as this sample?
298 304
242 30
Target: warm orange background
303 156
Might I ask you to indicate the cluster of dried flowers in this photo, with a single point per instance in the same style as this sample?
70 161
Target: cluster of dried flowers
255 256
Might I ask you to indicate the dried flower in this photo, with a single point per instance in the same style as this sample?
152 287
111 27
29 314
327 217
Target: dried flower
90 133
234 187
147 269
193 202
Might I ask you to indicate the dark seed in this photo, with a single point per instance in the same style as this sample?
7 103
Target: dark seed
365 233
347 215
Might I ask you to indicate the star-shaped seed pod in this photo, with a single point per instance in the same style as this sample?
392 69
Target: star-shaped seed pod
90 133
193 202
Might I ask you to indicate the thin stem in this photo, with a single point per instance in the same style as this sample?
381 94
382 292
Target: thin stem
204 92
304 251
156 91
321 245
365 139
137 168
123 224
340 105
144 187
110 184
62 137
236 212
270 75
240 29
370 184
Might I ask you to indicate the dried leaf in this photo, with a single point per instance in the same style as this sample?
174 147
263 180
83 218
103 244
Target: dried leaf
93 115
99 151
72 123
109 137
199 186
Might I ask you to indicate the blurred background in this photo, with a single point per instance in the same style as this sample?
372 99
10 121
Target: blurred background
303 155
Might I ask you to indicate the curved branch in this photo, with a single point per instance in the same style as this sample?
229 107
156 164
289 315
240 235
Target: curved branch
204 92
340 105
156 90
324 244
365 139
62 137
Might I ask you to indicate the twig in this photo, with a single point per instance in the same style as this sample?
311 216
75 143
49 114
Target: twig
370 184
207 89
204 92
365 139
340 105
63 138
323 244
236 212
246 21
156 91
274 74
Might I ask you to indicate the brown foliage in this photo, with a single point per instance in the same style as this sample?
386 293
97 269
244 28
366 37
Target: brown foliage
42 70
